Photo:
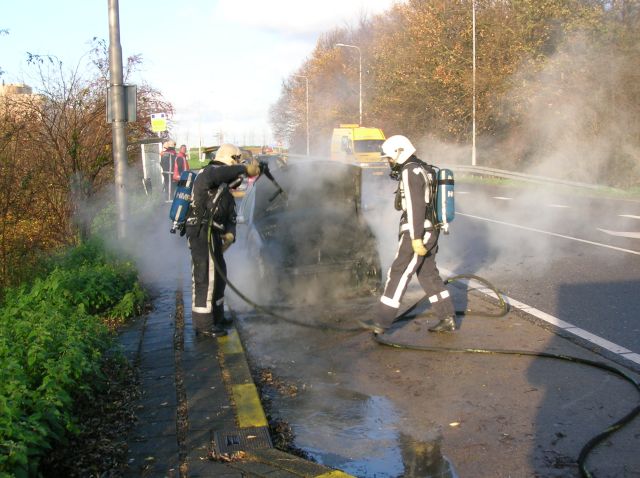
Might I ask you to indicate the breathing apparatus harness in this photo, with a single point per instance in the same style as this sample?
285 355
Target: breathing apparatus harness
432 173
408 314
215 208
440 209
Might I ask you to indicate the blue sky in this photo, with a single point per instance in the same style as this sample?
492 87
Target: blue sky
221 62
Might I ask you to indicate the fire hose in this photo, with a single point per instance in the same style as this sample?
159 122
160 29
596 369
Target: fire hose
503 309
407 315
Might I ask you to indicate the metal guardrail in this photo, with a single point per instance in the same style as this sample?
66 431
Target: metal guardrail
499 173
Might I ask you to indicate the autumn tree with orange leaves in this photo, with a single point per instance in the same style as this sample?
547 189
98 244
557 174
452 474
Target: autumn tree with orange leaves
56 158
555 80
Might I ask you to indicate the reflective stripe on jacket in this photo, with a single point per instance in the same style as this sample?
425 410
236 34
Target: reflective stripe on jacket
416 199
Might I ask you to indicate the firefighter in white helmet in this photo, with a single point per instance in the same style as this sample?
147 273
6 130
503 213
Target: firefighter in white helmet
418 243
210 230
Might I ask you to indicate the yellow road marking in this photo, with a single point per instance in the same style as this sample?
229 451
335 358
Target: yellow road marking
230 344
248 406
335 474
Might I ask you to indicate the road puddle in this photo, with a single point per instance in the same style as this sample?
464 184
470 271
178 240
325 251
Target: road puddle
359 434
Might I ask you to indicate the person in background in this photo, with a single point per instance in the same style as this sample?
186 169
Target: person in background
168 163
210 230
181 164
418 240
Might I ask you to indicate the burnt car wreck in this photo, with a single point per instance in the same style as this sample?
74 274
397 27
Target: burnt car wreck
308 241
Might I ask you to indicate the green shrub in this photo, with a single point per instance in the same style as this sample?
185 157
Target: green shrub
130 304
90 252
52 341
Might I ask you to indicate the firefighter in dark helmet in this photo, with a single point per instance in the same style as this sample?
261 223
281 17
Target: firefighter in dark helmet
210 230
418 240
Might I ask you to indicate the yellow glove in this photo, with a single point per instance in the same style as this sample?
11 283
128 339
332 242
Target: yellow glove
253 169
227 240
418 247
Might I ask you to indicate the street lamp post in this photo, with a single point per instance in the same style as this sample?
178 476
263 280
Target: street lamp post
359 72
306 82
473 113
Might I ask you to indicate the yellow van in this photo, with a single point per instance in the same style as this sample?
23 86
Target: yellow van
359 144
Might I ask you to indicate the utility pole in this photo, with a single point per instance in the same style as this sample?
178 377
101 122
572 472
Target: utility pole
306 81
359 73
473 114
117 89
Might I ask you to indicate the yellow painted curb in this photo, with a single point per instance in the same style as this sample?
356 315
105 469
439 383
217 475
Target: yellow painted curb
248 406
335 474
230 343
245 395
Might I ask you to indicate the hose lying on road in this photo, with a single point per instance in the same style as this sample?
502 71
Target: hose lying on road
591 444
503 309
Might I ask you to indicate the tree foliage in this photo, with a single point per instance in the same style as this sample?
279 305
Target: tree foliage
556 81
56 157
3 31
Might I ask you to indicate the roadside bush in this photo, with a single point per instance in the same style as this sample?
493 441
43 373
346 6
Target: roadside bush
53 337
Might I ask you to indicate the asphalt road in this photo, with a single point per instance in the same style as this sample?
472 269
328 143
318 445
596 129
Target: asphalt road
370 410
574 257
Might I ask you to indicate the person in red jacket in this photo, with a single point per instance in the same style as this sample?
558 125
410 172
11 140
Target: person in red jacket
181 163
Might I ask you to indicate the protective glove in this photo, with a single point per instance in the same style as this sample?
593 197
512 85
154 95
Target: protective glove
253 169
227 240
418 247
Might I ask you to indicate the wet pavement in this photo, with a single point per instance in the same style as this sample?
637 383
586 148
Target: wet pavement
376 410
200 414
361 408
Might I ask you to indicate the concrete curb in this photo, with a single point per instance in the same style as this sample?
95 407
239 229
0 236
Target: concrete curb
244 394
249 413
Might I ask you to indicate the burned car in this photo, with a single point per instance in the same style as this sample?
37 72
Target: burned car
305 233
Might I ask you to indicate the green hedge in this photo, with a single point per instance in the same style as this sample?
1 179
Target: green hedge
52 340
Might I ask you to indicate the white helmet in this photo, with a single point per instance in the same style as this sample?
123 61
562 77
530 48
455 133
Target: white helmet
169 144
398 148
228 154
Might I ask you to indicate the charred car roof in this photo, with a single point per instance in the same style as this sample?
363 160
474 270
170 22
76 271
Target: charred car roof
307 185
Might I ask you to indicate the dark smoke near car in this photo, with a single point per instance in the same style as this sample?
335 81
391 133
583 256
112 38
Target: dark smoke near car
311 242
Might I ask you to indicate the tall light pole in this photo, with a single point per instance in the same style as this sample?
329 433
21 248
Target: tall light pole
473 114
117 88
306 82
359 72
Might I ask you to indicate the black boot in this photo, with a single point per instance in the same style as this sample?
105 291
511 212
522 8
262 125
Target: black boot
370 324
218 331
213 332
447 324
221 320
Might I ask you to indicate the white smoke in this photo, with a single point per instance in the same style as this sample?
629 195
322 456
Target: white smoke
576 124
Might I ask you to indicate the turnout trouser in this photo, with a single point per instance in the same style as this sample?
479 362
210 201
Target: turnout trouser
207 306
405 264
168 186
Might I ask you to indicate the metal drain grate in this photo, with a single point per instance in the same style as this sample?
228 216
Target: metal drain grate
241 439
